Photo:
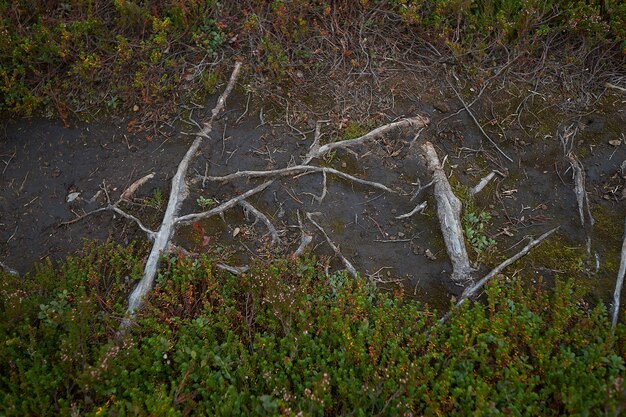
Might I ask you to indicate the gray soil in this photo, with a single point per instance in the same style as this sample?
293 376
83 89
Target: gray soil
43 163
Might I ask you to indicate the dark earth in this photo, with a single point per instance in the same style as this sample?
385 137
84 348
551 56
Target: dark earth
44 164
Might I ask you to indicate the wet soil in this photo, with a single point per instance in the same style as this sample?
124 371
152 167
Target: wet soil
45 163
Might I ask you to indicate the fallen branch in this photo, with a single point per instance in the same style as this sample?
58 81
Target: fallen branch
130 191
251 209
151 234
177 195
297 169
619 283
415 122
305 239
467 109
418 209
9 270
334 247
482 183
449 214
472 290
193 217
235 270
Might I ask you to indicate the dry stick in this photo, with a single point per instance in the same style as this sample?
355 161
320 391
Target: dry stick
295 169
130 191
449 214
177 195
345 261
478 124
471 291
250 208
619 283
235 270
416 122
482 183
305 239
193 217
418 209
9 270
615 87
115 208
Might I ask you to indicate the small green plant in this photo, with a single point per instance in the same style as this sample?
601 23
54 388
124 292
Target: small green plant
474 228
205 202
157 199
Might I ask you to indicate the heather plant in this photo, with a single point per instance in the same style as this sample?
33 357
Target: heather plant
285 339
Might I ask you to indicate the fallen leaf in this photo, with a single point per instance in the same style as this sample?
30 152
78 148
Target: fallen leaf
615 142
236 232
72 196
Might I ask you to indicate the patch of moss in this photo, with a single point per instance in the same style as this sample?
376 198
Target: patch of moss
560 254
353 130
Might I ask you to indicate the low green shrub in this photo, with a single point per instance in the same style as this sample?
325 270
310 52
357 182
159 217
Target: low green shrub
284 339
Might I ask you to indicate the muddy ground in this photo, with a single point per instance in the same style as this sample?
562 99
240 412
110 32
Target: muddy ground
44 164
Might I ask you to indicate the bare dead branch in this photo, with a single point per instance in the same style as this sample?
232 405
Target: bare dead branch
296 169
415 122
418 209
449 214
177 195
334 247
130 191
619 283
467 109
472 290
305 239
251 209
193 217
235 270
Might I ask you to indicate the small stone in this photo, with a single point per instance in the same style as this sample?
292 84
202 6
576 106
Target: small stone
344 165
236 231
401 235
615 142
72 196
135 108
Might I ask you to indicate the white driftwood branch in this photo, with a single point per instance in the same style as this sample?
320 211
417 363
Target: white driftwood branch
334 247
619 283
130 191
482 183
177 195
472 290
418 209
415 122
297 169
150 233
235 270
193 217
467 109
251 209
449 214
